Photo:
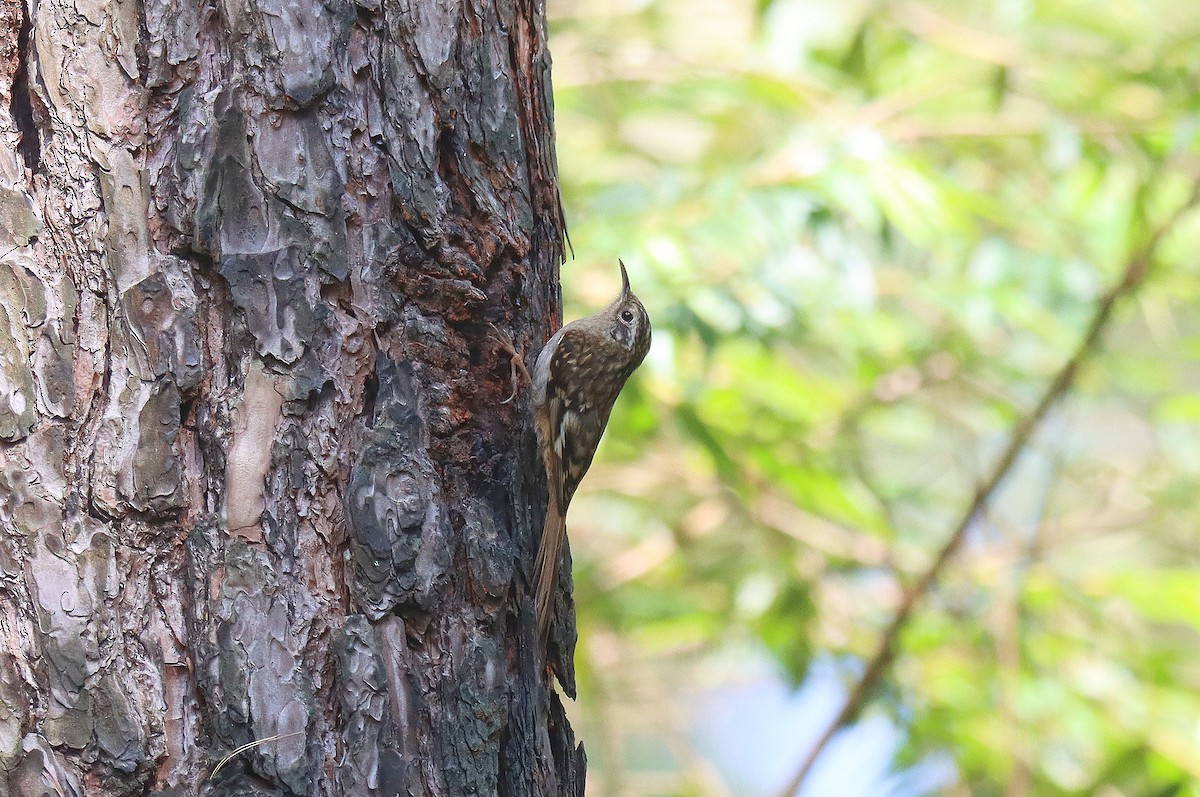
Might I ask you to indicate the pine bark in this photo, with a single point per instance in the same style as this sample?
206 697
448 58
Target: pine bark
256 475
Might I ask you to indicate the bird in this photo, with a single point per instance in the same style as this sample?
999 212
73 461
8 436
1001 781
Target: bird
576 380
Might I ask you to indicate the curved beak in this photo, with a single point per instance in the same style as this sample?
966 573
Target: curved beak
624 279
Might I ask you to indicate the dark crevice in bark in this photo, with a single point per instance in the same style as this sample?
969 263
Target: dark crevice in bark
185 411
324 395
21 103
370 392
140 50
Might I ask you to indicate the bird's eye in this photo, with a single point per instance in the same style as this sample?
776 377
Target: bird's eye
627 316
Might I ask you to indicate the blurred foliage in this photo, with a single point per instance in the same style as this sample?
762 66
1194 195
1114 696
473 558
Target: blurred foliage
868 234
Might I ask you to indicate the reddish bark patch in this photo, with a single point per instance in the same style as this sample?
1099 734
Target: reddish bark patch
10 26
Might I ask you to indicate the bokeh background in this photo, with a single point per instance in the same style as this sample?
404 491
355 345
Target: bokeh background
870 235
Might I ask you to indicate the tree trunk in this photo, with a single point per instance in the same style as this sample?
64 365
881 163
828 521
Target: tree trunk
256 475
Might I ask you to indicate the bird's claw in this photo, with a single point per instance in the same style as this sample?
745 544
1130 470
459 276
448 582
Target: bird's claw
515 362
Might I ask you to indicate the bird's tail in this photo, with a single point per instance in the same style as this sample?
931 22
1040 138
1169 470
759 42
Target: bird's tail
546 566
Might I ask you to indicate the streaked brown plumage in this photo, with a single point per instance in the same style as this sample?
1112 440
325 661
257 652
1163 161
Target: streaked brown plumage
578 375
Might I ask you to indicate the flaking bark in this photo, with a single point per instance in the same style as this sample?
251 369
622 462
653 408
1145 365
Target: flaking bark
255 473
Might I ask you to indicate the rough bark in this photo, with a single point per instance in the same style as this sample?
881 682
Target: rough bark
255 473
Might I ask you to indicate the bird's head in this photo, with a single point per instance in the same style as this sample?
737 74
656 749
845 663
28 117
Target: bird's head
629 325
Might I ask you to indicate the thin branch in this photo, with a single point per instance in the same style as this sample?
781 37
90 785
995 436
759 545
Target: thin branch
1131 280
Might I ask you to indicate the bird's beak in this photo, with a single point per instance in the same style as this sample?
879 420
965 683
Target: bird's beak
624 279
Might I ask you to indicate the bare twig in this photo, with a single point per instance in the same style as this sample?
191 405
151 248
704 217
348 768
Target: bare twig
1133 277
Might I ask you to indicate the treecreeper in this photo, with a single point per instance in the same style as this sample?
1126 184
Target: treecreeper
576 380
